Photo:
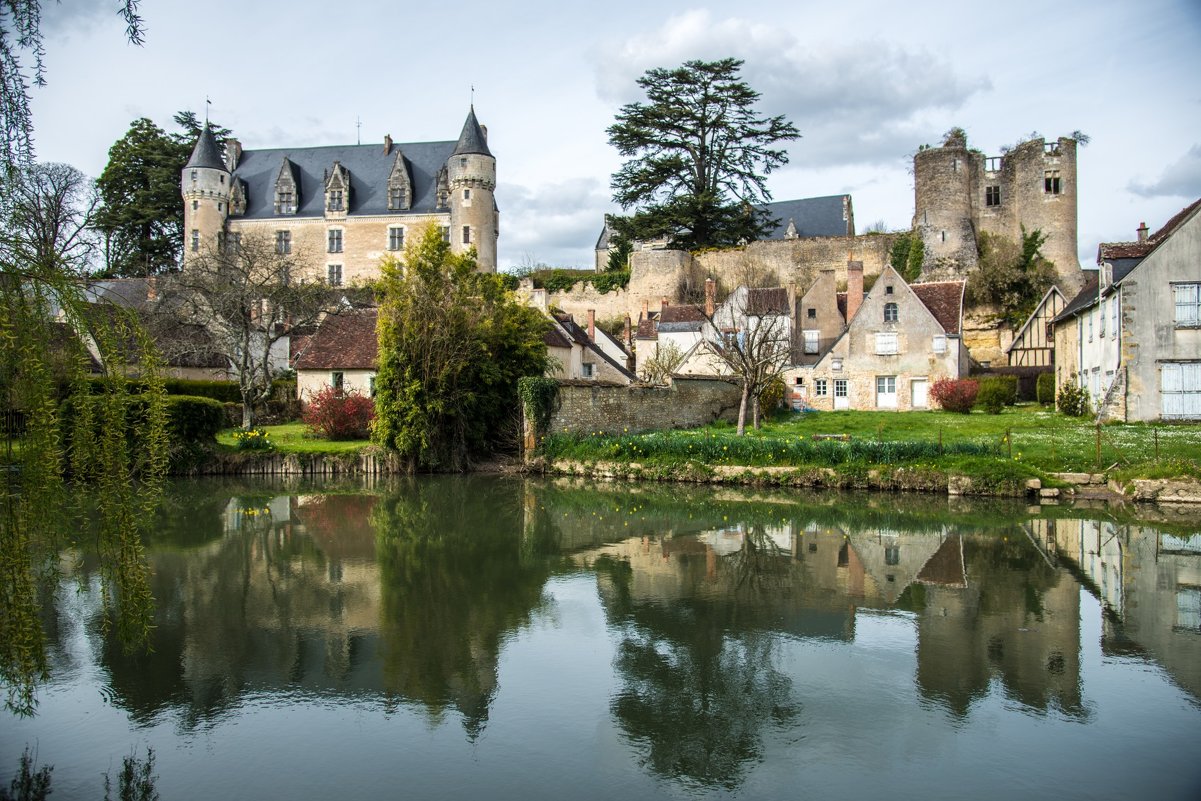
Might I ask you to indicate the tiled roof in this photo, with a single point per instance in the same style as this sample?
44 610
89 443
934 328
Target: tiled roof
1176 221
1108 251
554 338
472 139
944 299
580 335
761 302
684 313
342 342
646 329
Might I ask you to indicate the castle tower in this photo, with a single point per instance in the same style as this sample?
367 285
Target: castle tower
943 191
471 171
205 184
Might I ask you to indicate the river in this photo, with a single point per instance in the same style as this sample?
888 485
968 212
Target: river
482 637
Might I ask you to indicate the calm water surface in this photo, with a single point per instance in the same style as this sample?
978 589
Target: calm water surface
502 639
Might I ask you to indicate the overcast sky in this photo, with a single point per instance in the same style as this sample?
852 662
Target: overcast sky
866 84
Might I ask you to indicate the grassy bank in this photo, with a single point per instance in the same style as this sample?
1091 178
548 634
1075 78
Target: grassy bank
295 438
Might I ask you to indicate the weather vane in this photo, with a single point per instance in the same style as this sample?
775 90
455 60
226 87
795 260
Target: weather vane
358 125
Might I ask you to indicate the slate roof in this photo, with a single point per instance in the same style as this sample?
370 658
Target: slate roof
1085 298
206 153
944 299
580 335
812 216
472 139
341 342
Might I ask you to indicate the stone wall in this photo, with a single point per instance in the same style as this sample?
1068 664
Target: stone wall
687 403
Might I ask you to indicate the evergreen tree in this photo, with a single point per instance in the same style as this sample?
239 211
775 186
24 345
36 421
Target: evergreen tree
698 154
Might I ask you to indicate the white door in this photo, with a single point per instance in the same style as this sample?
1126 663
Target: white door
919 393
886 392
842 399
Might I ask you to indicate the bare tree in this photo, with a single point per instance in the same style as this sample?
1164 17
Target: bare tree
250 299
750 335
659 368
48 214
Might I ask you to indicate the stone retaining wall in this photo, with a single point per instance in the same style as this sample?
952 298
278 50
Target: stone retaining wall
687 403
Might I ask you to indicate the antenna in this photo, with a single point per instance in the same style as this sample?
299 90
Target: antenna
358 124
207 103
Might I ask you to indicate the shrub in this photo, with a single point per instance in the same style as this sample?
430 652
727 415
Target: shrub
192 419
1045 391
772 396
254 439
993 395
335 414
955 395
1073 400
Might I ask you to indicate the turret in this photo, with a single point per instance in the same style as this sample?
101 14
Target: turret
943 202
471 172
205 184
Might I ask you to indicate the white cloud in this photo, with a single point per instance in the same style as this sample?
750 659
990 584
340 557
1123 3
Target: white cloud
1182 178
855 102
553 222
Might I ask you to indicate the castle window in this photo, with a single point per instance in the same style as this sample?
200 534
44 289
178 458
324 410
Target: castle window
222 177
811 313
220 205
195 240
285 203
943 234
1051 185
335 202
819 387
396 238
446 233
1188 304
890 312
467 194
466 234
195 205
462 161
334 274
992 196
283 242
335 240
396 198
194 175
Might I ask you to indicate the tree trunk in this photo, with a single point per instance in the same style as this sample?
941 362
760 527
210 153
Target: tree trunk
742 409
247 415
755 413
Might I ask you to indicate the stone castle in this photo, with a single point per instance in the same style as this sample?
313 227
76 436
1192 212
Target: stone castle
343 208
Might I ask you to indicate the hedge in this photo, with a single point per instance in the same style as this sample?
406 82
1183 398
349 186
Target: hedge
1046 389
223 391
191 420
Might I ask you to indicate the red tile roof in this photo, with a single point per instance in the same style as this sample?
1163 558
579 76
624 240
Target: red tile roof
686 313
1123 250
646 329
342 342
944 299
1177 220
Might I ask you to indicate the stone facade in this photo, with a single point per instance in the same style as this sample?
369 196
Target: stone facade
959 192
687 403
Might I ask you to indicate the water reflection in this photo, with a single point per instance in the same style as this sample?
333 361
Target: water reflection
407 597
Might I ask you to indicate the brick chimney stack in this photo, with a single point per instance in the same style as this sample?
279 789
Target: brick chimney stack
387 144
592 324
646 310
1142 232
710 297
663 302
854 288
626 336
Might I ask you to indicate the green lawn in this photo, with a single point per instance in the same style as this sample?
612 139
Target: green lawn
1041 438
295 438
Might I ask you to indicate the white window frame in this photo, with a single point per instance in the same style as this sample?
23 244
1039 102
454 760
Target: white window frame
588 370
842 387
886 388
812 340
1187 301
939 343
887 343
819 387
1180 390
892 312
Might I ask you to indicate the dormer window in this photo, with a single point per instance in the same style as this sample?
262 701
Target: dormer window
337 189
400 187
285 203
335 201
287 192
443 191
396 198
237 197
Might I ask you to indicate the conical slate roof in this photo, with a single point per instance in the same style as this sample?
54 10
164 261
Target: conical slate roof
207 152
472 139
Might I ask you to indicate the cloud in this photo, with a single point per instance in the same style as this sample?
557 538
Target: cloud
65 17
1182 178
555 223
866 102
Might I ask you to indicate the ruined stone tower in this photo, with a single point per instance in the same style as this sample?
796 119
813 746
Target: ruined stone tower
960 192
472 177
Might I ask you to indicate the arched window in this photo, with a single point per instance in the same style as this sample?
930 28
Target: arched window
890 312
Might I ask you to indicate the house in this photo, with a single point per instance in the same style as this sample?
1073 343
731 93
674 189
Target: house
899 338
753 324
342 353
1132 335
586 354
674 329
343 207
1033 345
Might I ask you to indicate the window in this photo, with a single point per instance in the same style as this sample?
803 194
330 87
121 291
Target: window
396 198
194 173
943 234
467 194
466 234
588 370
1091 315
811 314
1188 304
335 274
886 343
939 343
283 242
285 203
446 233
335 240
220 206
1051 185
840 387
337 380
819 387
836 365
1113 312
195 240
396 238
222 178
195 205
462 161
886 391
992 196
335 200
888 289
890 312
1104 303
892 554
811 338
1180 387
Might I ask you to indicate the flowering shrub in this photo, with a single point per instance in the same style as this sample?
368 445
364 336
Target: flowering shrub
253 439
335 414
955 395
1073 400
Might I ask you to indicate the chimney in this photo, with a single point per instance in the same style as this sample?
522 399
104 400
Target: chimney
233 153
854 288
387 144
710 297
663 302
625 334
1142 232
792 301
646 310
592 324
